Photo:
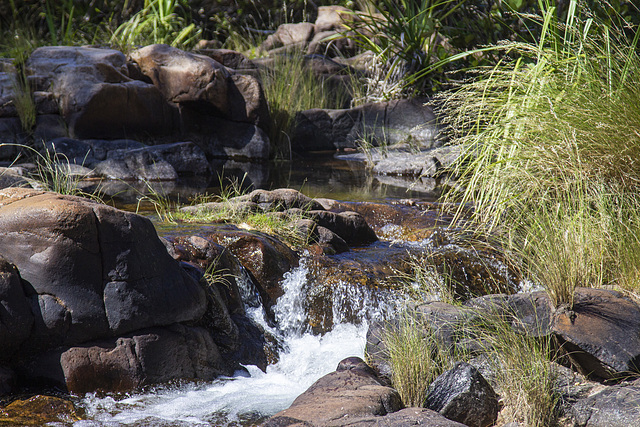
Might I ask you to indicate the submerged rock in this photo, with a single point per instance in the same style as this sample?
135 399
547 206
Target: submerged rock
39 410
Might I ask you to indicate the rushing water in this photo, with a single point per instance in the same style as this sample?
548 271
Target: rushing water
252 396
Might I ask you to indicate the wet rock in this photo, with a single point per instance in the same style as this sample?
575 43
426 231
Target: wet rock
350 226
96 98
600 333
265 257
388 123
90 270
224 139
462 394
340 397
328 241
148 356
39 410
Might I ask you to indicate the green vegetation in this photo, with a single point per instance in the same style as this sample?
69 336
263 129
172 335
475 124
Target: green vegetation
291 86
552 143
159 21
521 367
417 357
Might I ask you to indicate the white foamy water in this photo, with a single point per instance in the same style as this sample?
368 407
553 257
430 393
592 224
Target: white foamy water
248 398
233 400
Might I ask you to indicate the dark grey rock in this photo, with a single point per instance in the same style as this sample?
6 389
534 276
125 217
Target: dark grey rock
608 406
350 226
16 318
145 357
462 394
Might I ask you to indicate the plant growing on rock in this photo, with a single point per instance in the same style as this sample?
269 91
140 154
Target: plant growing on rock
552 147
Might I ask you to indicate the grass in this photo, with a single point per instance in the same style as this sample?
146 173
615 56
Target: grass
223 209
23 100
291 86
417 358
552 143
159 21
520 366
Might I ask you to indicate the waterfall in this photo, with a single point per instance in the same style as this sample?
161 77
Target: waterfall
249 398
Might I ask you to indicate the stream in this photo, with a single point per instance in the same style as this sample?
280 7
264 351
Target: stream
251 396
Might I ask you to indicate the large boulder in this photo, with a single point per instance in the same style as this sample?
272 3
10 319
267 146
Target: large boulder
16 318
600 333
95 95
89 271
192 80
148 356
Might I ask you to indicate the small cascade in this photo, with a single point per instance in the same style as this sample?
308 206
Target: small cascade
253 395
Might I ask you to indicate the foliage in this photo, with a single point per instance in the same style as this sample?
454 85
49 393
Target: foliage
404 35
417 357
552 147
159 21
290 86
23 100
524 376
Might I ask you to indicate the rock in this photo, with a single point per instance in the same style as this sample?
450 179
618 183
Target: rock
186 158
400 121
331 18
339 397
608 406
280 199
265 257
96 98
600 334
404 417
350 226
429 163
9 177
148 356
7 381
199 82
289 34
462 394
228 58
91 271
328 241
184 77
226 139
143 164
39 410
16 318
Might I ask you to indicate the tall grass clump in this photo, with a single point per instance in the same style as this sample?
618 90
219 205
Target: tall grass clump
159 21
522 372
552 146
291 86
417 357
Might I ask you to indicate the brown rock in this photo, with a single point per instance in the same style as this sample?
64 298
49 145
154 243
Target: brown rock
341 396
95 96
289 34
600 333
91 270
332 18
